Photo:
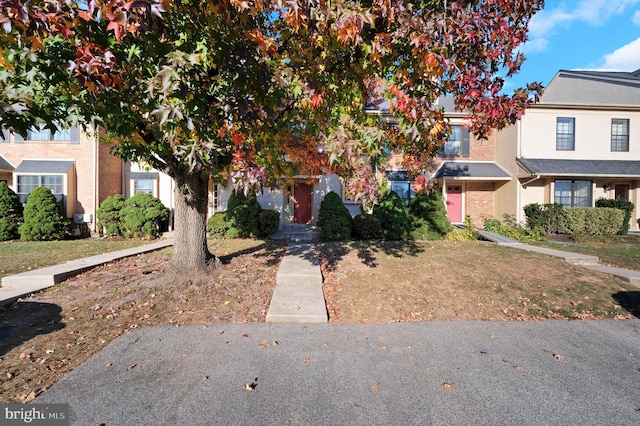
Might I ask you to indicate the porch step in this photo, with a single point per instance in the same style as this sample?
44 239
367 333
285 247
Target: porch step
297 233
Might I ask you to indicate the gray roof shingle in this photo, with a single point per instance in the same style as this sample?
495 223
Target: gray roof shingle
44 166
471 170
4 164
608 168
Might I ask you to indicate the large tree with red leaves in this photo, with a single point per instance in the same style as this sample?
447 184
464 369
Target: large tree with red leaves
240 88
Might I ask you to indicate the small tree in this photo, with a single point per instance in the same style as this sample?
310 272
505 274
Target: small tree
109 214
141 216
393 217
334 218
10 213
43 217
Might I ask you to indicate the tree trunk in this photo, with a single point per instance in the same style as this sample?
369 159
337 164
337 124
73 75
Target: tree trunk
190 250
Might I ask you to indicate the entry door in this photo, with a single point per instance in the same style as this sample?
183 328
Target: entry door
622 191
302 203
454 203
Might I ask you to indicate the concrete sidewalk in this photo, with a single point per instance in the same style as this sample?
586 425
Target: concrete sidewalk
19 285
433 373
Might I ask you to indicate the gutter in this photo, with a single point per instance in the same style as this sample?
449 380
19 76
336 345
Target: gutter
524 184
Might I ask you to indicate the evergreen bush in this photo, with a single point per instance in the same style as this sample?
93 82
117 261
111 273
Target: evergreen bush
269 222
44 219
366 227
141 216
243 214
108 214
587 221
619 203
218 226
11 212
393 217
428 216
334 219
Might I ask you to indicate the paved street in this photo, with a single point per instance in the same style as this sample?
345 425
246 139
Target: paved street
438 373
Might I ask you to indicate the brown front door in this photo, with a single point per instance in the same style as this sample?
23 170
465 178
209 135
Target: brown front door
302 203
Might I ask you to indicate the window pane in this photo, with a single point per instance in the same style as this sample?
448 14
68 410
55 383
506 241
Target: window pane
582 194
143 186
619 135
38 134
562 193
565 134
54 183
26 184
62 135
452 146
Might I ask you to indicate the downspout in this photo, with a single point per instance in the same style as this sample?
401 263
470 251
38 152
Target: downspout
524 185
94 219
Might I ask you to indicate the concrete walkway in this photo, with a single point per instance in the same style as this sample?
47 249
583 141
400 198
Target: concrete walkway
586 261
19 285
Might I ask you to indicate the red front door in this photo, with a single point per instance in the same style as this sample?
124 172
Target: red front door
454 203
302 203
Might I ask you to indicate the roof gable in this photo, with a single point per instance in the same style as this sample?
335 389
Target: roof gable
593 88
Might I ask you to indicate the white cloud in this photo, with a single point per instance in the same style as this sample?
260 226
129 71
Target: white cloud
548 22
625 58
636 18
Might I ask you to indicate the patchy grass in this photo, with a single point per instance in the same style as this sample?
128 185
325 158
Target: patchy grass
443 280
620 251
47 335
21 256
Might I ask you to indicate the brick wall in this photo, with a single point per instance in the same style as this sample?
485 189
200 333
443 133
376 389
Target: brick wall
109 173
479 201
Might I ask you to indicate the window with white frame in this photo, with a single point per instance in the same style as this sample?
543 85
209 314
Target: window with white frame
27 183
620 134
143 186
573 193
565 134
42 133
451 147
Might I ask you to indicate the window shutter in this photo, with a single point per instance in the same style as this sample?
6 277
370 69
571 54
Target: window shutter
74 135
464 136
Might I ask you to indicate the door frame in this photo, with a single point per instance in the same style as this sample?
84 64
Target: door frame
446 199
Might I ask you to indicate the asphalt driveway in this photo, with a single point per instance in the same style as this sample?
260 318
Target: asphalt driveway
435 373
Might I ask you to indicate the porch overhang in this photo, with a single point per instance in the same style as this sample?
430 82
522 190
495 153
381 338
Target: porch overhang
5 165
544 167
471 171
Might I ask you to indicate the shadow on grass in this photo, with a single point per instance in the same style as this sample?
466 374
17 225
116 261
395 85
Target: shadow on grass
273 250
629 300
367 251
22 321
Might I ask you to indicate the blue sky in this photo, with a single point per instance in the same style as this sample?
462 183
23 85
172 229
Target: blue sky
580 35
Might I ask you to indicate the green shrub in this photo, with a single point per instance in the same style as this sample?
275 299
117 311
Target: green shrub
243 214
588 221
543 218
619 203
11 212
510 230
108 214
366 226
268 222
393 217
334 218
141 216
44 219
465 234
217 225
428 216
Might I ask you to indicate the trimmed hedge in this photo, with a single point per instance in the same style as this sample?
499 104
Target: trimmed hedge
44 219
11 213
108 214
589 221
366 226
625 205
393 217
334 219
141 216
